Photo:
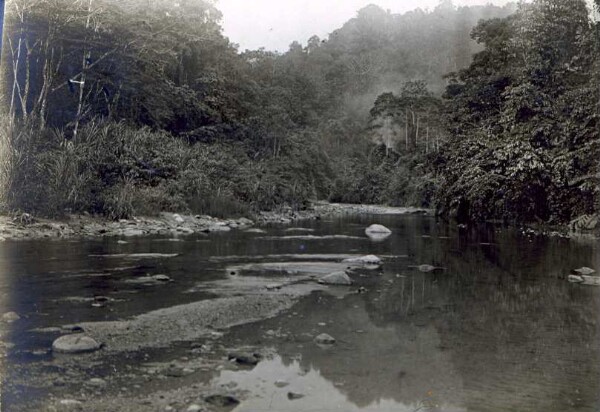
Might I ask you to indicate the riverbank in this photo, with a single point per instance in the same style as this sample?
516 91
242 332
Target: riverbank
25 226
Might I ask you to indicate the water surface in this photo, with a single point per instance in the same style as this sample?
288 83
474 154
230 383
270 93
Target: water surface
497 329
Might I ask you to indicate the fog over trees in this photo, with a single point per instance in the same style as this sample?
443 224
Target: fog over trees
133 107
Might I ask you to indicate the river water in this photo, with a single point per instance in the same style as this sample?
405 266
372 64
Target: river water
498 328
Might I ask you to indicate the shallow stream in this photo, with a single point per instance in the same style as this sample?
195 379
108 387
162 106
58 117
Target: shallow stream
496 328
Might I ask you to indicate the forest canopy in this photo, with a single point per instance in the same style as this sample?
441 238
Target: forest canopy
133 107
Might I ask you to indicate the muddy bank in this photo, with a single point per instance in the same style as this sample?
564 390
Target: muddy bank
25 226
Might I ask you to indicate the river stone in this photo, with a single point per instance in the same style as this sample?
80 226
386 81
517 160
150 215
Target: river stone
325 339
10 317
336 278
162 278
132 232
294 395
221 400
364 260
194 408
243 358
75 344
377 229
584 271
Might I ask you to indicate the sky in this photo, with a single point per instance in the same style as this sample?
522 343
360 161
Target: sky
274 24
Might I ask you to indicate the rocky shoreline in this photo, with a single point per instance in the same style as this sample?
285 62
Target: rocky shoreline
26 226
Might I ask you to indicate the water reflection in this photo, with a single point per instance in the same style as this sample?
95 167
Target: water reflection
498 329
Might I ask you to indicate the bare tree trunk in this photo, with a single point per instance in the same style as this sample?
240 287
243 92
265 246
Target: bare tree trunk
417 133
15 67
406 129
84 65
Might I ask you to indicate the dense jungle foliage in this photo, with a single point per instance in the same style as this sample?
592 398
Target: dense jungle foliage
133 107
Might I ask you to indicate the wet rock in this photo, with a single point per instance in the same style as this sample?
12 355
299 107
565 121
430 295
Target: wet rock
132 232
221 400
584 271
336 278
294 395
10 317
177 218
364 260
244 358
377 229
245 221
162 278
77 343
255 230
325 339
584 280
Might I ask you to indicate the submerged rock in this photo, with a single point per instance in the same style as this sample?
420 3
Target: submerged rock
221 400
77 343
427 268
336 278
325 339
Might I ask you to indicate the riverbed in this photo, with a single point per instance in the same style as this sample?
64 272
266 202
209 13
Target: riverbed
494 326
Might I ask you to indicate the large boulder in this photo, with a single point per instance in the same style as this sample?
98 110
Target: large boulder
336 278
76 343
377 229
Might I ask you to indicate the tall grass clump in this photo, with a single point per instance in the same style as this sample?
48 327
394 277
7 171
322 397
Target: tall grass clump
118 170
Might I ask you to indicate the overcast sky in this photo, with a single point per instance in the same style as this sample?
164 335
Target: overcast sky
274 24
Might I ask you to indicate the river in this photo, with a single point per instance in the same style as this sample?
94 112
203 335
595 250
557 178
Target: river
496 328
